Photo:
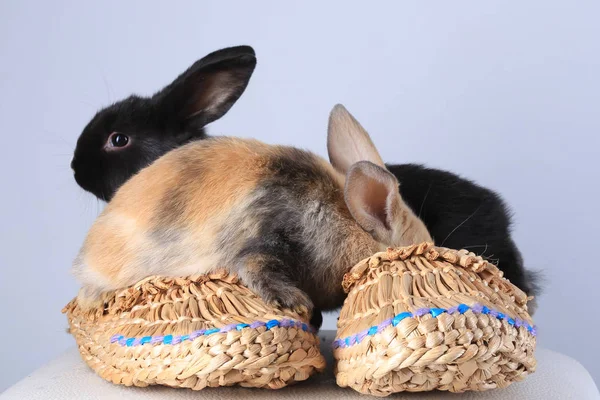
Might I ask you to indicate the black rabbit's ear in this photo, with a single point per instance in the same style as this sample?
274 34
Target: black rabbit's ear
208 89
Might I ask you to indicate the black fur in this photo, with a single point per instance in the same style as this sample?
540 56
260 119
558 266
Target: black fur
461 214
457 212
154 125
287 261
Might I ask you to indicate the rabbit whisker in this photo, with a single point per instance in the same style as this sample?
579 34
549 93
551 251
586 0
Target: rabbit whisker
461 224
108 91
424 198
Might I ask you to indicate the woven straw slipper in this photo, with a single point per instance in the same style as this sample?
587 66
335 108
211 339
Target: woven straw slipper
422 318
194 332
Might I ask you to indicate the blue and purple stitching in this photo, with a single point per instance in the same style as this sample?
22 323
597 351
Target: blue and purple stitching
176 339
435 312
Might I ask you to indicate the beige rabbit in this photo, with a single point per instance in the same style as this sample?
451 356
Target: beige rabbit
287 221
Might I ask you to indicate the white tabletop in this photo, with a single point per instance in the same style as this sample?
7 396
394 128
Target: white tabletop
68 378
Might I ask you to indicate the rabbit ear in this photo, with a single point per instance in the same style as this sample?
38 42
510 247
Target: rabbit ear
348 142
372 196
208 89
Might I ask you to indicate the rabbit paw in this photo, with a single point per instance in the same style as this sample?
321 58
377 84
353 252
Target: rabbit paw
289 297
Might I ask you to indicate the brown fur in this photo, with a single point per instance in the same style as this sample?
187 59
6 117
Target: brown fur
188 190
275 215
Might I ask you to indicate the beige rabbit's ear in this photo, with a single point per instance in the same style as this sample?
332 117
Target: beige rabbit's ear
348 142
372 196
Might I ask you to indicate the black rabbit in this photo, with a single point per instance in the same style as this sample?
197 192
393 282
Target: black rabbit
126 136
459 214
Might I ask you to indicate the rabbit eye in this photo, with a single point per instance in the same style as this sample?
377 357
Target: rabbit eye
117 140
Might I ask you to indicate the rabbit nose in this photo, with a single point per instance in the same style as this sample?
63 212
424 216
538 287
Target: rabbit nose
73 164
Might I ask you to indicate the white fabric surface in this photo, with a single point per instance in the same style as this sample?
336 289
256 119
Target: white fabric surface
68 378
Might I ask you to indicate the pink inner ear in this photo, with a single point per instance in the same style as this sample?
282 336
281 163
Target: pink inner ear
375 199
216 89
369 193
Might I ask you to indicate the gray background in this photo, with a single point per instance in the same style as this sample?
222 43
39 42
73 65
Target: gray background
506 93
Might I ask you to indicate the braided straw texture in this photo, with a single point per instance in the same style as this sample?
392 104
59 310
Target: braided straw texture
451 351
256 356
